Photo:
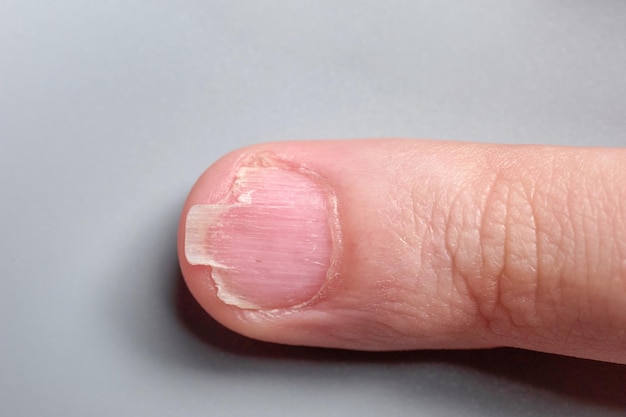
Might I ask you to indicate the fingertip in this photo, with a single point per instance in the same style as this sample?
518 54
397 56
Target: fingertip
255 238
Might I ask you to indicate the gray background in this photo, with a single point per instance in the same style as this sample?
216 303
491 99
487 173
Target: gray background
109 111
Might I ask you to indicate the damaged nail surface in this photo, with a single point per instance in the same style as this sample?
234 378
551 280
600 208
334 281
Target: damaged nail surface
269 242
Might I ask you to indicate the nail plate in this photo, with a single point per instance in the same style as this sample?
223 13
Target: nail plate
269 242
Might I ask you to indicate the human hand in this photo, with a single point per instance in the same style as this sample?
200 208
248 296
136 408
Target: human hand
406 244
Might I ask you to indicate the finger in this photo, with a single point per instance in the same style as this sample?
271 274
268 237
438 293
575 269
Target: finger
402 244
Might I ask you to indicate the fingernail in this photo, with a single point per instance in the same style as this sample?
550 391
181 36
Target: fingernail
269 242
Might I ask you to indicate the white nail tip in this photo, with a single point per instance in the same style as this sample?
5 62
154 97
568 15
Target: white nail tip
200 218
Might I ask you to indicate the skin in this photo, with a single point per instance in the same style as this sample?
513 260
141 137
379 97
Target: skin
449 245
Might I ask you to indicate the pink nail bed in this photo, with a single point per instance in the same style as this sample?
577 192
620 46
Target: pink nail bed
269 242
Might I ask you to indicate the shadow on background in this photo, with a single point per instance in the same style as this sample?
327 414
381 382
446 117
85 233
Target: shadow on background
583 380
152 307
